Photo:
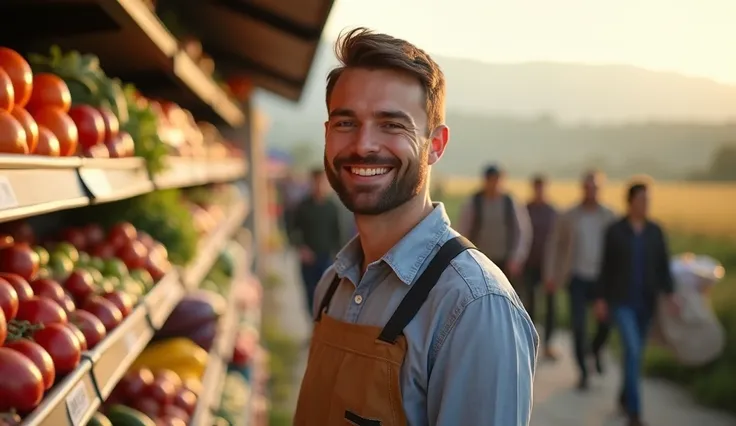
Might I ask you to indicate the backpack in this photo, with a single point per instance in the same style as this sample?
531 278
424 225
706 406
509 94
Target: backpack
508 212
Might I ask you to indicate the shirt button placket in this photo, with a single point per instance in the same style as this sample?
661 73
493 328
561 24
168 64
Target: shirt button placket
358 299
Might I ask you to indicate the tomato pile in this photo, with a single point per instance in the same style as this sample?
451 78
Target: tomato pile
37 116
61 298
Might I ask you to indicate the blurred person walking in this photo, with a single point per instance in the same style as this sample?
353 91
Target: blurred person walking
497 225
635 271
542 215
573 257
316 233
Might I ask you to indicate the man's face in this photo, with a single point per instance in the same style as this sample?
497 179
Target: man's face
493 182
639 204
377 149
538 189
590 188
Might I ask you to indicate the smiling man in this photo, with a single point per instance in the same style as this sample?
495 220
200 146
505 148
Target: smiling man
413 325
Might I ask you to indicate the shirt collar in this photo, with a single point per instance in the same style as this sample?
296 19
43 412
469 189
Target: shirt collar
409 254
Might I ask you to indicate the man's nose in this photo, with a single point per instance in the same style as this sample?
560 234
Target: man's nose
366 141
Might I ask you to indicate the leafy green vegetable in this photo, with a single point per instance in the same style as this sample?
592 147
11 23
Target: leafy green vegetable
142 125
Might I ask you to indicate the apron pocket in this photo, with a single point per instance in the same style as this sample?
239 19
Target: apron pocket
360 421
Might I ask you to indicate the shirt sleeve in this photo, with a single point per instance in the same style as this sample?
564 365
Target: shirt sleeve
523 233
483 375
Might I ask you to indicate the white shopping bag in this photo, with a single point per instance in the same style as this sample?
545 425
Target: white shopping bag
696 337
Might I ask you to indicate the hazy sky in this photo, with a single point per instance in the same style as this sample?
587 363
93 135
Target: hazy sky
695 37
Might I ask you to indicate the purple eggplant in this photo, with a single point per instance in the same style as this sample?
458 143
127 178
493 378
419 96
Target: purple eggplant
195 311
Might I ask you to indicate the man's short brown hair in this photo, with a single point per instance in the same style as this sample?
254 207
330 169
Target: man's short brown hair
363 48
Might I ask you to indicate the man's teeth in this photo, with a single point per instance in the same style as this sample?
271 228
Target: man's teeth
363 171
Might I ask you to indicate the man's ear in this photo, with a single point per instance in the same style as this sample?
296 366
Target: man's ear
438 141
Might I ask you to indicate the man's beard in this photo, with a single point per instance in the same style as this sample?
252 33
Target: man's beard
376 201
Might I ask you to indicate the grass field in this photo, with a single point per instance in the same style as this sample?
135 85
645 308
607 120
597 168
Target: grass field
700 218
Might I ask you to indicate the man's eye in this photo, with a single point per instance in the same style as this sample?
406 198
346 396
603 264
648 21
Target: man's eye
392 126
343 124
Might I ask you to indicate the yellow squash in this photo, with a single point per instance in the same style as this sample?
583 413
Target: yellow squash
179 354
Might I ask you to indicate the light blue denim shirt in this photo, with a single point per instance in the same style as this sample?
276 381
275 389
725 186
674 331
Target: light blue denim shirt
472 347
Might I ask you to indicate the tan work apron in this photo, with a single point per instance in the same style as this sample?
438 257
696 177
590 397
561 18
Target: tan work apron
352 375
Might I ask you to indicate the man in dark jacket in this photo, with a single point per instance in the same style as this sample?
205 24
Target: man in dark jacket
542 215
635 271
315 231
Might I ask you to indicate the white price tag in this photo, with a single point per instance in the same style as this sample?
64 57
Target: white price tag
77 403
7 195
96 181
131 341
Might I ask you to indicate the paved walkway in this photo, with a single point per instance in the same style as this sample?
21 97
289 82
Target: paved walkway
556 403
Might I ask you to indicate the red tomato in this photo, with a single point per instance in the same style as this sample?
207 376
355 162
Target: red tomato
7 94
21 231
121 300
90 125
79 335
168 376
146 239
121 146
12 136
67 304
48 143
63 346
112 125
38 355
96 151
20 74
94 233
80 284
105 310
63 127
161 391
186 400
91 327
133 254
22 385
175 412
21 286
49 90
75 237
41 310
121 233
135 382
48 288
29 126
103 251
19 259
3 328
148 406
170 421
8 299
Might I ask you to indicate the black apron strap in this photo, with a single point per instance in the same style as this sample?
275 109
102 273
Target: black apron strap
419 291
328 296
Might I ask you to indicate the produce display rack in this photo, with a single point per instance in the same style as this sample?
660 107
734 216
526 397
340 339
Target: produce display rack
220 354
33 185
132 44
74 400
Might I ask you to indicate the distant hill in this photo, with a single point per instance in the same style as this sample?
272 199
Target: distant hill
552 116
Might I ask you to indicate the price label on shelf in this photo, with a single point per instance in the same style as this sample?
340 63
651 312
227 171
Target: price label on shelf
96 181
7 195
131 341
78 402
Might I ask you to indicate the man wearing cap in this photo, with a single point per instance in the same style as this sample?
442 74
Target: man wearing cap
497 225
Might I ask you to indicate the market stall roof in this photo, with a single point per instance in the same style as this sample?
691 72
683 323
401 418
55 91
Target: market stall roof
272 41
